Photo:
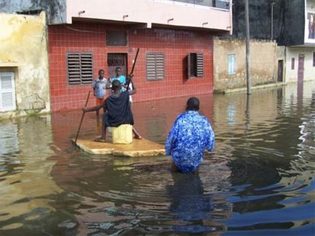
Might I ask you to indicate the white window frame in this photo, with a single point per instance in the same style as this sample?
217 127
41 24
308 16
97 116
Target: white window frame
231 61
7 90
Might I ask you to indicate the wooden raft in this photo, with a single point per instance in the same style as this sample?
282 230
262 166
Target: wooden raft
138 148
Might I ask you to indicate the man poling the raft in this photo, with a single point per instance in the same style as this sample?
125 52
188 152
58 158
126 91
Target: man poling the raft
117 107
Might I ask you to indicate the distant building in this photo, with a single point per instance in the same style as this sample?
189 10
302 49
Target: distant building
291 25
175 39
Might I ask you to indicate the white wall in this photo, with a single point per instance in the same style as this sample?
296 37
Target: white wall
151 12
309 69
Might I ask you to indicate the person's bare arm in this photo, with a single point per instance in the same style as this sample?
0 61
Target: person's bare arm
130 81
89 109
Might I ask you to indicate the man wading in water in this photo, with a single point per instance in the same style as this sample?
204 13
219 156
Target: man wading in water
189 137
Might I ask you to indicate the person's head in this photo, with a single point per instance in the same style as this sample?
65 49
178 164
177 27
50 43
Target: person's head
118 71
116 85
101 73
192 104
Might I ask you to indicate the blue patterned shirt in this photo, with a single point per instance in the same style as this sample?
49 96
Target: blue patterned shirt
189 137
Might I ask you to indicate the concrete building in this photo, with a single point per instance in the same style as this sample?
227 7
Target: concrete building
24 82
229 70
300 53
282 44
175 41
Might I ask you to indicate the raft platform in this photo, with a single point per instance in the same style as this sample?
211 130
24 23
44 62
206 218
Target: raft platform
138 148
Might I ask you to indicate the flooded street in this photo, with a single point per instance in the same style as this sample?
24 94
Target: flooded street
259 181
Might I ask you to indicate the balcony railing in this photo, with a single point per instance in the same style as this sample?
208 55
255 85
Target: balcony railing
224 4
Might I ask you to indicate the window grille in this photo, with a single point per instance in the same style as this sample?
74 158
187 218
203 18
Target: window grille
80 68
155 66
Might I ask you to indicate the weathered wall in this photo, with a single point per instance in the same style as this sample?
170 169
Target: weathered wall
309 69
23 50
55 10
262 63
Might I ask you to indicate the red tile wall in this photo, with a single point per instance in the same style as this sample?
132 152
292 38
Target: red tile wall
91 37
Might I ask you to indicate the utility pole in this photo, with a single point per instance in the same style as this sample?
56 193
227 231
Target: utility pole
248 80
271 20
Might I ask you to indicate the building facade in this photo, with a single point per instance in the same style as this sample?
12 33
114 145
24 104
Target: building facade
24 81
174 38
229 71
291 25
300 55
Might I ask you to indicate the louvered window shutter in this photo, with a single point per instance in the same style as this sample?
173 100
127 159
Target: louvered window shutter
155 66
80 68
199 69
195 65
86 68
7 91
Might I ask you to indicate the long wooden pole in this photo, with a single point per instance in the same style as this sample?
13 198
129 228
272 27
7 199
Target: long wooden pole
133 68
134 62
82 117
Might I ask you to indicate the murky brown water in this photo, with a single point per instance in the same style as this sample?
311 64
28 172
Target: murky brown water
259 181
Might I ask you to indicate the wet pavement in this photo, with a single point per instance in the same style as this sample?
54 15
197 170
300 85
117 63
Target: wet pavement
259 180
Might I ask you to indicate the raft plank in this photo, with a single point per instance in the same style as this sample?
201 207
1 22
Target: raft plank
138 148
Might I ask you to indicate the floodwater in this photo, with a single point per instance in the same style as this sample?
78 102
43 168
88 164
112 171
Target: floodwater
259 180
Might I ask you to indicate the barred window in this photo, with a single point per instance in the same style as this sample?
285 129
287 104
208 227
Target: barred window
195 65
155 66
80 68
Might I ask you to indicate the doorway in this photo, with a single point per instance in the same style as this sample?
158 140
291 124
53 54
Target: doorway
114 60
300 77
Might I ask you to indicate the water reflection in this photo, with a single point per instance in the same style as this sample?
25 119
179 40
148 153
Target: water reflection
8 139
25 182
259 181
192 209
